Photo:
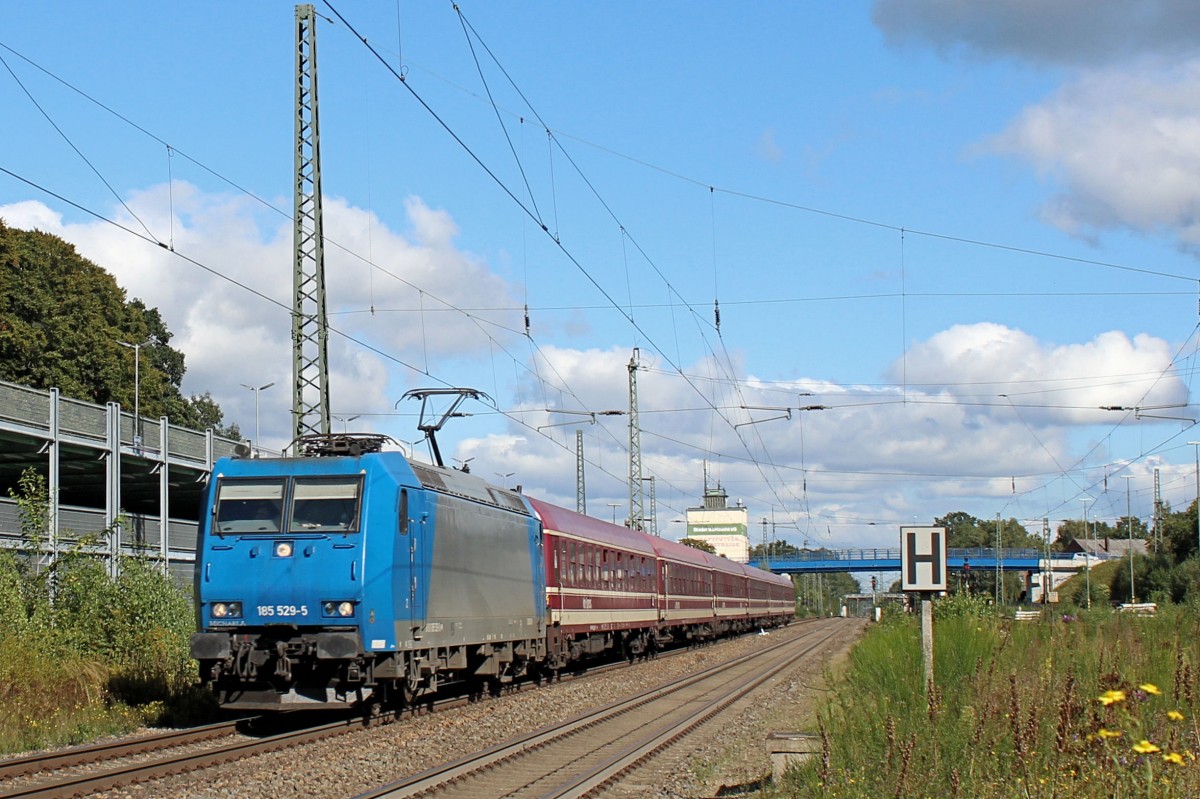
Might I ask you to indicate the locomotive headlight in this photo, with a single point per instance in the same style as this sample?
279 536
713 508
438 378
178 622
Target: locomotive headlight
227 610
335 609
283 549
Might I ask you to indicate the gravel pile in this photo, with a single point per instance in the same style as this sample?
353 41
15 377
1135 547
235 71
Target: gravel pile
349 764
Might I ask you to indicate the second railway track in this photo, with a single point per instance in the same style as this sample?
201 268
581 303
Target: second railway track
580 755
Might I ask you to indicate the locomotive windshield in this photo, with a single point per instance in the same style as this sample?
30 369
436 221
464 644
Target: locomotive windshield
249 506
327 505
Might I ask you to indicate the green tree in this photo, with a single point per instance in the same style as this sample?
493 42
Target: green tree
965 531
61 320
823 593
1071 529
773 549
1180 535
698 543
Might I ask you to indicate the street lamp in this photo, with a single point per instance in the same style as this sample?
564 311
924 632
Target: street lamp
1087 553
137 391
1197 445
256 389
504 477
1129 528
614 506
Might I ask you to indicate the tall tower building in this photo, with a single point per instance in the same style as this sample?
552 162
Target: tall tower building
726 528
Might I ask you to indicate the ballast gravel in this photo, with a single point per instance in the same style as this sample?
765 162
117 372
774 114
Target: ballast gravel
729 752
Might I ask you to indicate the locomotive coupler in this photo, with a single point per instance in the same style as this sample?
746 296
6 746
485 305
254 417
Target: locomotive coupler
283 664
243 662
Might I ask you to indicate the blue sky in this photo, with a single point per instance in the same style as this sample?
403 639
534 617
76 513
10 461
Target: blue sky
954 228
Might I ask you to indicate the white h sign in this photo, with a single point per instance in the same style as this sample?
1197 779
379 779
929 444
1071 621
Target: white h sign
923 558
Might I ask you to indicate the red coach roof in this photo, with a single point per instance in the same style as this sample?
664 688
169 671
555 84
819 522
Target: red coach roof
561 520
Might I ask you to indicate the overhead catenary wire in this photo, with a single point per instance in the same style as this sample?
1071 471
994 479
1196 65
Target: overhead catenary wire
563 249
62 134
513 416
487 322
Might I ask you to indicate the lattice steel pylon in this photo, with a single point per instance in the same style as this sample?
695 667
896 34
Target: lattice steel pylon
637 514
580 490
310 329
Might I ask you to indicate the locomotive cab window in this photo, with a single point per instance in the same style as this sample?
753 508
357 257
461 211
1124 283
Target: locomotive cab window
249 506
325 505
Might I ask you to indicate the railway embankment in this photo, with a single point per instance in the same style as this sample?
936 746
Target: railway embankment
1072 704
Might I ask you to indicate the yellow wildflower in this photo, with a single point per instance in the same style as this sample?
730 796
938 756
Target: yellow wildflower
1144 747
1150 688
1174 715
1109 697
1109 733
1173 757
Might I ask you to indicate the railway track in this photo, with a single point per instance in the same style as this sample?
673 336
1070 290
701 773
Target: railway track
580 755
83 770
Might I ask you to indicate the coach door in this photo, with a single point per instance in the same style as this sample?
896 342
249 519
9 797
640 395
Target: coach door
664 591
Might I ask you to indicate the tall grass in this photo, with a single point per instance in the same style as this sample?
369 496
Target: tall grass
1103 706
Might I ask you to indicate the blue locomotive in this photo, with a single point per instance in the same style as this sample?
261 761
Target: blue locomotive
355 577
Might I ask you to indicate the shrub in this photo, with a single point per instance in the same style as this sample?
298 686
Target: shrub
85 654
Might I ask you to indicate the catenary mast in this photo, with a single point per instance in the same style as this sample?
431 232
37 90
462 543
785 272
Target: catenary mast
310 330
637 513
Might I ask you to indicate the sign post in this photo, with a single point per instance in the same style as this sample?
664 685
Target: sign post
923 569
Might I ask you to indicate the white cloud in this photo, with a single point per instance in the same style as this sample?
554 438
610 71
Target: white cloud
1119 142
1123 147
842 475
949 442
1050 383
230 335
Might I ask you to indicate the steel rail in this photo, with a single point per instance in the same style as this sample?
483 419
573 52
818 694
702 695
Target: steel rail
82 755
124 775
628 759
115 777
432 779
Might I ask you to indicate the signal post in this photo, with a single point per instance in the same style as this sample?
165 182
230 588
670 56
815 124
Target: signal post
923 555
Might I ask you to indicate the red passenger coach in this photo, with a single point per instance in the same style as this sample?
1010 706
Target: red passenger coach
688 583
600 583
610 588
